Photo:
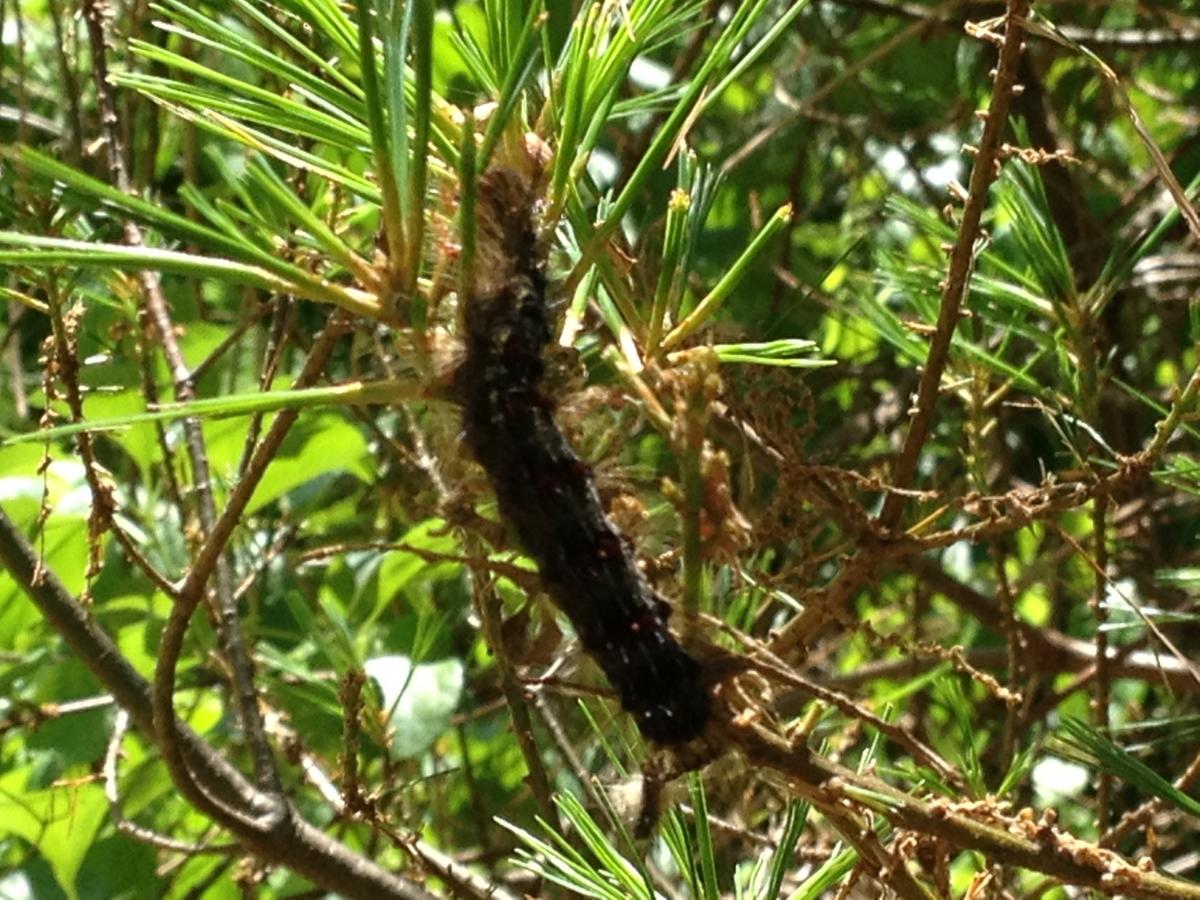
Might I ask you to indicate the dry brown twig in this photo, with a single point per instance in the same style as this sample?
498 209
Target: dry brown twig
954 289
1011 839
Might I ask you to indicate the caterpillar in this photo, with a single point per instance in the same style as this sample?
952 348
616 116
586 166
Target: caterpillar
544 491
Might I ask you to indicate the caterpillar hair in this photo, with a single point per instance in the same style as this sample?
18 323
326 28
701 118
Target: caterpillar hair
545 492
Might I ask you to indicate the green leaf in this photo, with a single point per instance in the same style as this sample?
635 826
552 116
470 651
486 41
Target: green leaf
60 822
319 446
420 699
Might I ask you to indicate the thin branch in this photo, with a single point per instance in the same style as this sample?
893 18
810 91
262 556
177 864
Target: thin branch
770 665
65 364
296 844
487 603
235 334
156 309
876 551
191 591
463 882
903 38
1057 656
1017 841
130 828
134 552
1050 651
216 538
70 84
962 258
1182 406
881 864
1162 166
1102 579
1118 38
1138 817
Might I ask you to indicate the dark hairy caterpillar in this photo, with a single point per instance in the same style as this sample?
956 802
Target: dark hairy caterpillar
545 491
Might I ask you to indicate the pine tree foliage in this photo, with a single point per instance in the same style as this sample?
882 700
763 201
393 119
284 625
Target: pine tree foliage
874 325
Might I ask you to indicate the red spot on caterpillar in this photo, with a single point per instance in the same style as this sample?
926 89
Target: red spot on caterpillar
608 545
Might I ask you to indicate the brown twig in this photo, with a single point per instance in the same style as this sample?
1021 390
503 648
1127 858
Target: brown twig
526 578
1138 817
1060 655
920 751
295 843
487 604
1050 651
561 740
70 84
902 38
1018 840
768 664
1102 579
876 552
191 590
156 310
962 257
875 860
954 15
130 828
64 362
